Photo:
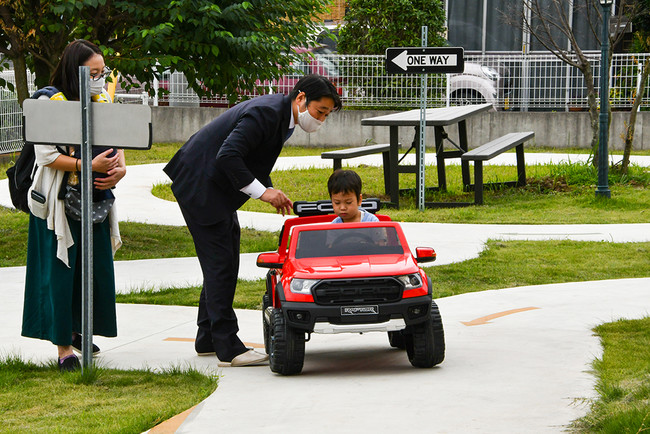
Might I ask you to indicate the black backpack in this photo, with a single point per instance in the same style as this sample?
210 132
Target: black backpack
21 174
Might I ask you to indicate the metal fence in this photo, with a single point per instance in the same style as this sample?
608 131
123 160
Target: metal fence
11 116
510 81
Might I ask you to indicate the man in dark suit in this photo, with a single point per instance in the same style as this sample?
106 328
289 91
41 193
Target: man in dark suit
219 168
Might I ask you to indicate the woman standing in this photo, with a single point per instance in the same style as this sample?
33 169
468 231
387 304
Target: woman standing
52 307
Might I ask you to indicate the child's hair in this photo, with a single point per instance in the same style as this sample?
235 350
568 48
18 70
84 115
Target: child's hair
344 181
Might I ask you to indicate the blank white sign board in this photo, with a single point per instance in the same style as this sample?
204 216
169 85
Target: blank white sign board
126 126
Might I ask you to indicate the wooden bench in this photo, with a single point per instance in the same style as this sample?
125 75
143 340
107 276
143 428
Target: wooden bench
491 150
342 154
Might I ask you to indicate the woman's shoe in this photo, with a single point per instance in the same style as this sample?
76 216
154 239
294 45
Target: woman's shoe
76 344
69 363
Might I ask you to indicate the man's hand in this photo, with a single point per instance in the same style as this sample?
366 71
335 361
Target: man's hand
278 199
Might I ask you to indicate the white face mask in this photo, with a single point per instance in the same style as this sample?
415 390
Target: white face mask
96 87
307 122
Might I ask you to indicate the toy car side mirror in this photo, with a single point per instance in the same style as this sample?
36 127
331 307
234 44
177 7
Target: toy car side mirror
269 260
424 254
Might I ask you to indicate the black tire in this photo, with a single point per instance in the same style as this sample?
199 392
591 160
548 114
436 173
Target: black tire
287 346
466 97
396 340
265 323
425 342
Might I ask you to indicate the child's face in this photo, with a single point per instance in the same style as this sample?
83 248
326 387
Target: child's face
346 206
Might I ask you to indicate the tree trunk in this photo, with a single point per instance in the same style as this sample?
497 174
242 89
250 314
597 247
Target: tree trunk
593 110
629 133
20 75
42 73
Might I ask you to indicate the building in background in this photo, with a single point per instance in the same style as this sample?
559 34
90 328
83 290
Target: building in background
479 27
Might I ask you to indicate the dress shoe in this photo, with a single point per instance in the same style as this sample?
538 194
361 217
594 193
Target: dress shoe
76 344
249 358
69 364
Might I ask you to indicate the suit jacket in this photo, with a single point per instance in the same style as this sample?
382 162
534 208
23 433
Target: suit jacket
226 155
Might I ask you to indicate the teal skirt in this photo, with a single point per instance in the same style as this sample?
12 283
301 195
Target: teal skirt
52 308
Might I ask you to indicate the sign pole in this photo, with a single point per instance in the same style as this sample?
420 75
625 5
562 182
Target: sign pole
423 121
86 221
423 60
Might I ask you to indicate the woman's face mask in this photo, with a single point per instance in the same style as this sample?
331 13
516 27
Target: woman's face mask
96 86
307 122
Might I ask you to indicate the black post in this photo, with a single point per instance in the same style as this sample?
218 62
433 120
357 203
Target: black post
603 158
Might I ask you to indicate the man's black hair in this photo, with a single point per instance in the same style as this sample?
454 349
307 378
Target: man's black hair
316 87
344 181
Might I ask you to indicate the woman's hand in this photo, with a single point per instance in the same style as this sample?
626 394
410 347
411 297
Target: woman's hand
103 163
114 176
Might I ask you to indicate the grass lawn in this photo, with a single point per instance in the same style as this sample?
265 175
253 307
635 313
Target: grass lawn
623 384
140 241
555 194
39 399
496 267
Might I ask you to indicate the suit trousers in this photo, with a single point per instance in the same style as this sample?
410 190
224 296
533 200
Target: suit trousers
217 247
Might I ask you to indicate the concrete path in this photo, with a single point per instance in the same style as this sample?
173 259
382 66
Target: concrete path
517 360
527 369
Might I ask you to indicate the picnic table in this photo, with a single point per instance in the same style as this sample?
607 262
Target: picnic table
439 118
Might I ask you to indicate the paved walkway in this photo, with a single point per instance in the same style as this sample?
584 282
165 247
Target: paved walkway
517 359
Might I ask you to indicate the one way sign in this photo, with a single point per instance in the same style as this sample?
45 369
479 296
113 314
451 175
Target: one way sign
424 60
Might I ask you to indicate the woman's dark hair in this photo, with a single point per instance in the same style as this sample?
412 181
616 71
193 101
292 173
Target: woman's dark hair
316 87
344 181
66 74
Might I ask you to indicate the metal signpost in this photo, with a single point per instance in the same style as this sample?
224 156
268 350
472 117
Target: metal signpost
86 220
424 60
80 123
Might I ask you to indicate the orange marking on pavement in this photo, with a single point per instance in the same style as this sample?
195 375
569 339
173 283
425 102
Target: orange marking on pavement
248 344
170 426
484 319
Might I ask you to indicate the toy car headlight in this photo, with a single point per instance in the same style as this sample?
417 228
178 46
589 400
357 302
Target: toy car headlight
410 281
302 286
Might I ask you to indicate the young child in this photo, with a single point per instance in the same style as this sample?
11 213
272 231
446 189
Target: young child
344 187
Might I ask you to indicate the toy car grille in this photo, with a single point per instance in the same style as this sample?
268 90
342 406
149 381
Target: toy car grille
382 290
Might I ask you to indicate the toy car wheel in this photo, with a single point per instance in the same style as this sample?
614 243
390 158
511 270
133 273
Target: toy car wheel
396 340
287 346
466 97
265 323
425 344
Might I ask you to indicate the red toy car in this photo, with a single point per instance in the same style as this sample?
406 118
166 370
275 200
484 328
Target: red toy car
347 278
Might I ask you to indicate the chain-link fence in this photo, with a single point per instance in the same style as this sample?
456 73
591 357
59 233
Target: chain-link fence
509 81
11 116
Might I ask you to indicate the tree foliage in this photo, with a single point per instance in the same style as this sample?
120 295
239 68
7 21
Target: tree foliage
221 46
374 25
551 23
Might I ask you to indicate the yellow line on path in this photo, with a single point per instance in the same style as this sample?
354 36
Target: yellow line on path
484 319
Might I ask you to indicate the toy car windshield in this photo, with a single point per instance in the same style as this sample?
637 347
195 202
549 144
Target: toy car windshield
328 242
